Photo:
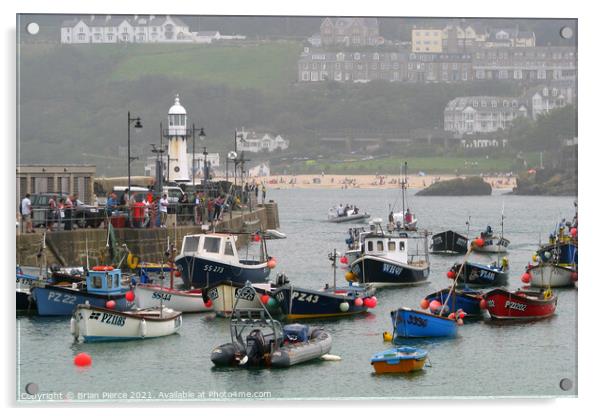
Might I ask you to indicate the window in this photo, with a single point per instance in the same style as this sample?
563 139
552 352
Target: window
380 246
391 245
211 245
97 282
191 244
228 251
402 246
370 246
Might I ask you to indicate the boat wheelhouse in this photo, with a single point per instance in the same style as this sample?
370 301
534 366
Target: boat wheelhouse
207 259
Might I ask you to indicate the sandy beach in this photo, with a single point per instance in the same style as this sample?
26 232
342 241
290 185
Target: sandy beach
365 181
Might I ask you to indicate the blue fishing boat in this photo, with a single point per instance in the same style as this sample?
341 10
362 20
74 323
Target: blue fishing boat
468 300
208 259
100 286
480 275
410 323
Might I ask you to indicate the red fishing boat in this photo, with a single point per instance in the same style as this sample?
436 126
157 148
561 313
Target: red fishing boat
520 304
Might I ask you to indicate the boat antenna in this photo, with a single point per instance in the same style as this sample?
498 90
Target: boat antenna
468 226
87 254
333 258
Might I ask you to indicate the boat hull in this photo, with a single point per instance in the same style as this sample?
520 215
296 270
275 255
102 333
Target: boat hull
399 360
225 294
409 323
551 275
358 218
57 300
202 273
480 275
299 303
503 304
152 296
492 245
99 324
381 272
449 242
24 301
469 302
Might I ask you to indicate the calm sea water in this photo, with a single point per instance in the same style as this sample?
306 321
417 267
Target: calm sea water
486 359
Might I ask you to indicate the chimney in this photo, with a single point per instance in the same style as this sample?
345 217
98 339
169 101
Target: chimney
108 18
151 17
92 18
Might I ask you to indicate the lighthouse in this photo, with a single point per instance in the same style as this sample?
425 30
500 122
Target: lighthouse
176 134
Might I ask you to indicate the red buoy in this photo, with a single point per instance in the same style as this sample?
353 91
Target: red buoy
178 273
82 360
256 237
110 304
451 274
344 260
479 242
129 296
452 316
574 276
265 299
483 304
271 263
209 303
424 303
434 305
573 232
526 277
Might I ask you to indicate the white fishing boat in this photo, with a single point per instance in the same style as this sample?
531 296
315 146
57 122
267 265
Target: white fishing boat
552 275
187 301
94 324
487 242
402 220
225 294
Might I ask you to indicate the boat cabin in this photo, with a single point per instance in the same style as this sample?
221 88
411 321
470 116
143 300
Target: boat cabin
219 247
106 282
390 246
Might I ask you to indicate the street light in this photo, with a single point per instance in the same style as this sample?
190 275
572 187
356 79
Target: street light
137 128
201 134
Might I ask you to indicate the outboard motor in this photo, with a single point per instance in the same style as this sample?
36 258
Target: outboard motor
281 279
256 347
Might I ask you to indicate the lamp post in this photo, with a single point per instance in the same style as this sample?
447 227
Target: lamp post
205 170
138 128
201 134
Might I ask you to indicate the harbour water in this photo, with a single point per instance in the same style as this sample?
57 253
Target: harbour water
486 359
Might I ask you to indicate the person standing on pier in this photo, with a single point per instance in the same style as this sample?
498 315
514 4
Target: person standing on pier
263 191
68 213
26 213
163 204
51 214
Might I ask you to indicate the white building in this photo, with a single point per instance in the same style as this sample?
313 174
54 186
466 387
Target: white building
213 162
114 29
263 169
549 97
251 142
467 115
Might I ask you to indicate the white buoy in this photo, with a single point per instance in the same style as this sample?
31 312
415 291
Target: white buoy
74 328
331 357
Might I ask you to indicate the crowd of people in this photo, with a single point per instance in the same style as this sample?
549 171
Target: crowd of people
140 209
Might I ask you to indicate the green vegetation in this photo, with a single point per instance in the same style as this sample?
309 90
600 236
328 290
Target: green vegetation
473 185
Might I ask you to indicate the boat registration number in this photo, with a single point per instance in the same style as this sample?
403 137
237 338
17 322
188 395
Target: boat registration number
391 269
484 274
418 321
213 293
515 305
110 319
62 298
212 268
244 293
306 297
159 295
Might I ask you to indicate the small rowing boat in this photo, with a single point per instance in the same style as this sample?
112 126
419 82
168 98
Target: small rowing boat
399 360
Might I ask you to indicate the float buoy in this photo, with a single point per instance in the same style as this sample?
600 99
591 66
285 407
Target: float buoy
387 336
358 302
133 261
344 260
102 268
82 360
264 299
574 276
483 304
129 296
452 316
344 306
142 328
209 303
526 277
451 274
479 242
110 304
434 305
424 303
330 357
271 263
350 276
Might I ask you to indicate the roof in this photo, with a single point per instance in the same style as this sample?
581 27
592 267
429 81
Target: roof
369 22
102 21
208 33
177 108
459 103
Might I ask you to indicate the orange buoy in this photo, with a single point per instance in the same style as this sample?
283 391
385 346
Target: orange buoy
82 360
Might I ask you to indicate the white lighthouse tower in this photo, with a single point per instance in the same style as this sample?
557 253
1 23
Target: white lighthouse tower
176 152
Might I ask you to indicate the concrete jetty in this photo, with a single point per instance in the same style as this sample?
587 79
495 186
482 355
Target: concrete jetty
149 244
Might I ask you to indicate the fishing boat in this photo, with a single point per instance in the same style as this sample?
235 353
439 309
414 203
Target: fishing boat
328 302
410 323
403 220
385 259
225 294
551 275
345 214
24 282
399 360
449 242
207 259
481 275
187 301
95 324
520 304
467 300
103 283
258 340
487 242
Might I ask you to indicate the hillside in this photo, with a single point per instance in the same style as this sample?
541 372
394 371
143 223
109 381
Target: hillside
75 99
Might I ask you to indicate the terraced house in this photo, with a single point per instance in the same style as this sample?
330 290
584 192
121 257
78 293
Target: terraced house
116 29
482 114
355 31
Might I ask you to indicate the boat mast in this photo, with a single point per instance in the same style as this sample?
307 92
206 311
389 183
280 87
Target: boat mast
334 270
